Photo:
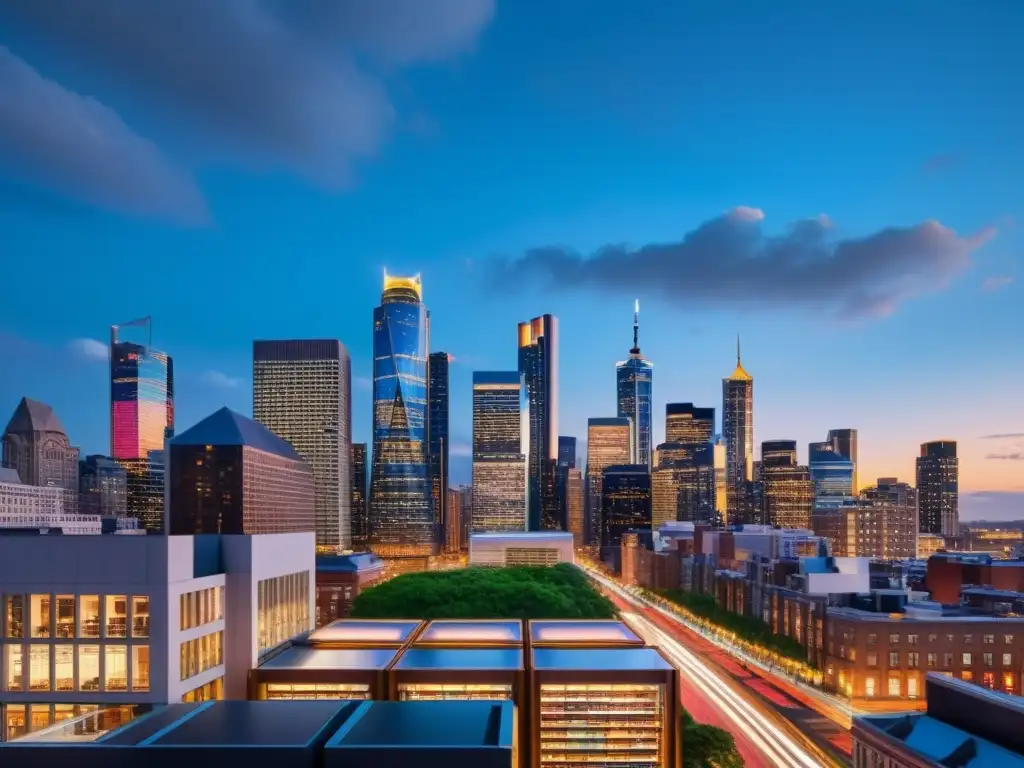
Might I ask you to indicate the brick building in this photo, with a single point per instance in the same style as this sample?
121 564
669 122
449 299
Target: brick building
340 579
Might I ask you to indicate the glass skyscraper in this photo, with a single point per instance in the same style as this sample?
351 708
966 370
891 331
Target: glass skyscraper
609 443
500 419
401 504
842 442
938 488
625 505
787 492
738 430
633 381
686 423
357 465
683 485
141 414
538 362
832 474
437 369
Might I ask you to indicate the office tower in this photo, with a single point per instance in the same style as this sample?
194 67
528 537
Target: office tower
844 442
633 383
301 391
574 505
230 474
466 511
566 451
102 487
401 504
609 443
683 485
831 472
437 423
453 526
538 362
358 510
886 521
685 423
566 461
938 488
500 445
738 430
719 454
625 503
141 413
36 446
786 488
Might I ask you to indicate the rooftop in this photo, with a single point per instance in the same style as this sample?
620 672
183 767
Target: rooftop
600 632
458 632
379 632
461 658
427 724
225 427
523 535
33 416
619 659
308 657
351 563
9 476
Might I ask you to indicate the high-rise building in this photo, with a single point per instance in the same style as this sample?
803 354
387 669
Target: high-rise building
401 504
301 391
453 527
625 504
538 362
230 474
738 430
634 378
141 416
566 451
566 461
500 489
844 442
102 487
466 511
683 485
437 424
832 473
787 492
609 443
36 446
358 507
574 505
887 521
719 454
685 423
938 488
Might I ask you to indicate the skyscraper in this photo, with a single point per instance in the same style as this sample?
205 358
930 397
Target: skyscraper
566 461
360 524
453 526
683 485
633 382
887 521
141 416
832 474
938 488
301 391
401 504
36 446
538 362
685 423
738 430
500 492
574 505
437 422
102 487
625 504
844 442
609 443
787 492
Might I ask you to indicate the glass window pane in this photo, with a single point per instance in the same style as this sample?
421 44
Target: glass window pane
117 616
88 667
14 721
117 667
89 616
39 667
40 717
40 615
13 657
64 667
140 616
140 667
182 613
14 613
65 617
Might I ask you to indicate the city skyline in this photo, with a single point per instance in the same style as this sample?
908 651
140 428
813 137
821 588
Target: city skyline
692 151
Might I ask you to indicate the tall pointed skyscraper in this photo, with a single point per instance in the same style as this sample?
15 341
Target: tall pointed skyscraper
401 505
633 381
538 363
738 430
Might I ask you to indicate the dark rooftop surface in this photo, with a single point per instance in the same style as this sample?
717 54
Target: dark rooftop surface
351 563
225 427
255 723
307 657
423 723
461 658
142 728
599 658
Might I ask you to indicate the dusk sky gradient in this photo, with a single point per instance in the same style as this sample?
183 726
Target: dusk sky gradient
840 183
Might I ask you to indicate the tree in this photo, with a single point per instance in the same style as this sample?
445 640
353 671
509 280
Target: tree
705 746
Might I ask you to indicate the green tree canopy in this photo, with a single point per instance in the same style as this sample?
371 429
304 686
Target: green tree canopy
558 592
705 746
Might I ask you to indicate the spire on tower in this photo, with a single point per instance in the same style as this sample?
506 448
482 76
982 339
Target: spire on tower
636 328
739 374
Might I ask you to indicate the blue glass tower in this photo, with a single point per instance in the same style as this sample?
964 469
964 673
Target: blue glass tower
633 381
401 505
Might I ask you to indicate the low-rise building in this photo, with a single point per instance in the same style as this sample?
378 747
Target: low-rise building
521 548
340 579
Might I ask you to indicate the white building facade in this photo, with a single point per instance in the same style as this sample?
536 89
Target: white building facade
521 548
105 621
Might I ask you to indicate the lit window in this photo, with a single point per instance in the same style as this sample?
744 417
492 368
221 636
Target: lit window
869 687
14 612
1007 659
986 659
967 675
64 667
140 667
65 617
894 687
88 667
39 608
894 639
39 667
894 659
89 616
988 639
13 665
140 616
967 660
117 616
116 657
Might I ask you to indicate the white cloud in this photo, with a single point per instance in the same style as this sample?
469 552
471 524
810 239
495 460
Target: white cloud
995 283
221 380
90 349
460 449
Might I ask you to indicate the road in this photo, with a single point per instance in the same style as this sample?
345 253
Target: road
774 724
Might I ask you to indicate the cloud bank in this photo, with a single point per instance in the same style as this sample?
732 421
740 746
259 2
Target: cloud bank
90 349
730 262
220 380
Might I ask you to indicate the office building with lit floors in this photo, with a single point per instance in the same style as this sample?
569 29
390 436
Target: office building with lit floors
438 445
125 623
938 477
625 506
738 431
521 548
634 378
500 446
609 443
538 363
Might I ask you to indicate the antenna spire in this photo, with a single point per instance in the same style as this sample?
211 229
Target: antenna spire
636 328
737 349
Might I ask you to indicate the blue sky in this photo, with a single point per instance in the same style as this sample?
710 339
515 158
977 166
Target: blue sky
246 170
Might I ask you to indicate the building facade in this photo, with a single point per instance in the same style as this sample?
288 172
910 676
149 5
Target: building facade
521 548
437 422
500 448
683 486
685 423
36 446
634 379
358 506
102 487
402 520
609 442
574 505
230 474
302 392
938 474
738 430
538 363
787 491
625 504
455 527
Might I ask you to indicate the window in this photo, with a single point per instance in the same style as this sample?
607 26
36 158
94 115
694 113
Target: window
282 609
932 638
63 667
869 687
88 667
39 667
1008 683
1008 639
913 660
140 616
117 616
967 660
89 616
968 639
947 660
988 679
116 657
967 676
986 659
950 638
894 686
140 667
911 639
201 654
39 610
201 607
872 639
65 617
988 639
894 639
933 660
911 687
852 654
1007 659
894 659
14 612
13 665
872 659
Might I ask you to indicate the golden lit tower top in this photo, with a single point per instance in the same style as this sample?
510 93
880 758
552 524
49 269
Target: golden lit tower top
402 288
739 374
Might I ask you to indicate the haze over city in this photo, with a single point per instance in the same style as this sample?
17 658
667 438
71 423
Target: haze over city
849 203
